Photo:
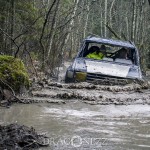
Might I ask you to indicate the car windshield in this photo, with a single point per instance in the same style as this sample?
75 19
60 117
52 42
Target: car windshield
108 53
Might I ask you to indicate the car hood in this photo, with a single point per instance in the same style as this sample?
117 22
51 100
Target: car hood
107 68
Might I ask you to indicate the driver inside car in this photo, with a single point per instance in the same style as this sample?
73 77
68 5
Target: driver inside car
123 53
97 53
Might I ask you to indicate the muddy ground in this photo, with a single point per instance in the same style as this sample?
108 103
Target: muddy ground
57 107
74 115
54 92
20 137
59 92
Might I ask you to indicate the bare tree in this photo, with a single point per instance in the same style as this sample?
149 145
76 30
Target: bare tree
43 30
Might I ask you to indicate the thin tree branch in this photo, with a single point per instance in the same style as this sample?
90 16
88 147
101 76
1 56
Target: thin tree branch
112 31
31 60
28 28
11 40
68 21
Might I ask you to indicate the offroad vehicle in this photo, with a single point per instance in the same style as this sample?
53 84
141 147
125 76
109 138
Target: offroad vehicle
109 69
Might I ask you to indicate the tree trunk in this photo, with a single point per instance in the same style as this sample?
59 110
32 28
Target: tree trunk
110 12
51 34
105 28
86 20
12 23
42 34
72 21
133 21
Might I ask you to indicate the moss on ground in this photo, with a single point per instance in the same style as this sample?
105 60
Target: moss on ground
13 72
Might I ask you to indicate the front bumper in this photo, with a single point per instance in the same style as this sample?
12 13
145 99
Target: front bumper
103 79
107 80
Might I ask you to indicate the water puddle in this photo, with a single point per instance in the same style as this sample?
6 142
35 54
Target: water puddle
77 125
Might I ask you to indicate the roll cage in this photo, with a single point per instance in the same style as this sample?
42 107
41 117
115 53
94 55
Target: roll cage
133 52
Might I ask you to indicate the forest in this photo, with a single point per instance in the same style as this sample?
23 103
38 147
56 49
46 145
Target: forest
97 108
51 31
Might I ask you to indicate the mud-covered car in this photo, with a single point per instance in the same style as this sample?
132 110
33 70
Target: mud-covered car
110 68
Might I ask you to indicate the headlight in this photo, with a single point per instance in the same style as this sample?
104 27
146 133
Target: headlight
80 76
134 73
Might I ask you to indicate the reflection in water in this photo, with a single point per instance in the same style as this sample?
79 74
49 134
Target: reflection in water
82 126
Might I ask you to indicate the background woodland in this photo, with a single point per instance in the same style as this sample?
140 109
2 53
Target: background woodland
51 31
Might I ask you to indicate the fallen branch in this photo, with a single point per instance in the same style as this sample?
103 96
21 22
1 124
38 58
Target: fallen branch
8 87
12 91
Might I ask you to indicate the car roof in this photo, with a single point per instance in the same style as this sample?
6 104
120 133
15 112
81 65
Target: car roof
126 44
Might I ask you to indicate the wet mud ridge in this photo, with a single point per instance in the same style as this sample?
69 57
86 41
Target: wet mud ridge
20 137
53 92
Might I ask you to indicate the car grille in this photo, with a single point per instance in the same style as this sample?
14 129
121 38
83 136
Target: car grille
106 79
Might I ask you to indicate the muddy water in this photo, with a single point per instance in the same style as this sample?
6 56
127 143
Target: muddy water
81 126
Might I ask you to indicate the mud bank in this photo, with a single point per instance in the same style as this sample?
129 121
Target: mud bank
20 137
53 92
